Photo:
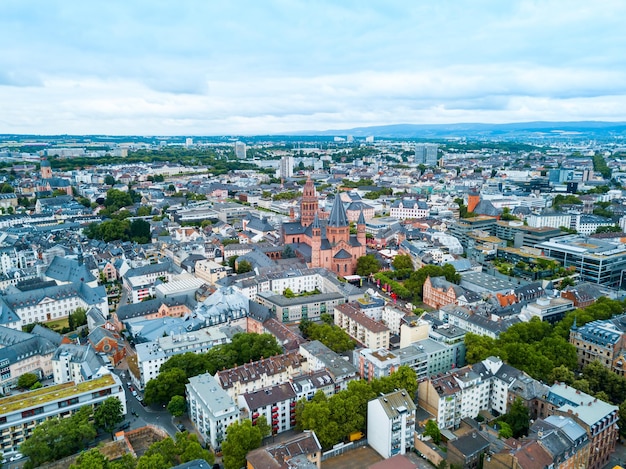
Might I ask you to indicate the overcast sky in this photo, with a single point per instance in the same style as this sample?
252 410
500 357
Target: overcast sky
226 67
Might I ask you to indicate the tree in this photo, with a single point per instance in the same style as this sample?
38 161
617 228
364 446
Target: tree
402 261
177 406
77 318
57 438
505 430
243 267
367 265
27 380
108 414
168 384
287 293
288 252
92 459
109 180
518 418
192 364
431 429
240 439
140 231
144 211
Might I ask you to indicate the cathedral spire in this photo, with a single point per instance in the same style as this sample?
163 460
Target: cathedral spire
338 215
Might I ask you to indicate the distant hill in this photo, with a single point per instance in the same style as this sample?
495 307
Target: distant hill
540 130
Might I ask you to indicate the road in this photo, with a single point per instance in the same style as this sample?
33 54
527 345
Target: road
151 415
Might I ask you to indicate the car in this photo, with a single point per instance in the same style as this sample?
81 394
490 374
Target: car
16 456
181 427
134 393
129 384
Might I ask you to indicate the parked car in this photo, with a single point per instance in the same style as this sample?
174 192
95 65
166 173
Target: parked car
16 456
181 427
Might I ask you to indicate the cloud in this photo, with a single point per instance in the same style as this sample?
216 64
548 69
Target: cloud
248 66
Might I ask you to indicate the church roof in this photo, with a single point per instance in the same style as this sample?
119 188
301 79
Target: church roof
342 254
338 215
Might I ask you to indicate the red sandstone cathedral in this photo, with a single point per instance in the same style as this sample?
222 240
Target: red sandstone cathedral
325 242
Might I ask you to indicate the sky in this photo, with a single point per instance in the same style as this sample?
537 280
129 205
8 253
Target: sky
235 67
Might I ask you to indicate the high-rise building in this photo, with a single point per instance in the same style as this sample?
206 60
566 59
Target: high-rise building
286 167
240 150
426 154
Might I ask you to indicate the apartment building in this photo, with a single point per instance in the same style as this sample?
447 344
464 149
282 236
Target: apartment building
20 413
211 409
151 355
210 271
391 423
404 209
371 334
276 403
319 357
598 418
462 393
601 341
261 374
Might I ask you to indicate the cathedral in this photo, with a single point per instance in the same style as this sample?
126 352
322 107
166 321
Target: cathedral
324 240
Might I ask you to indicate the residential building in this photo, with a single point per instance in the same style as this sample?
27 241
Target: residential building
439 292
75 363
468 450
373 364
151 355
276 403
360 327
22 412
211 409
240 150
305 386
601 341
263 373
598 418
319 357
391 423
286 167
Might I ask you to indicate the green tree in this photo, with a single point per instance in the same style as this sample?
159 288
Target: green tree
517 418
109 180
431 429
366 265
287 293
168 384
77 318
108 414
57 438
177 406
144 211
402 261
243 267
153 461
240 439
505 430
27 380
140 231
92 459
192 364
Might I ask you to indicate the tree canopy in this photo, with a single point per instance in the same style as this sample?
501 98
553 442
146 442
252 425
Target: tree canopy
334 418
240 439
108 414
333 337
366 265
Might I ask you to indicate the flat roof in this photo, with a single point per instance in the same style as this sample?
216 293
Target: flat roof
52 393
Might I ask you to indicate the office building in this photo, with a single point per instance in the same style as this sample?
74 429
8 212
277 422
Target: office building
240 150
426 154
286 167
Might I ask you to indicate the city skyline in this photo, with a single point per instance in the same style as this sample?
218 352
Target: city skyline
246 68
